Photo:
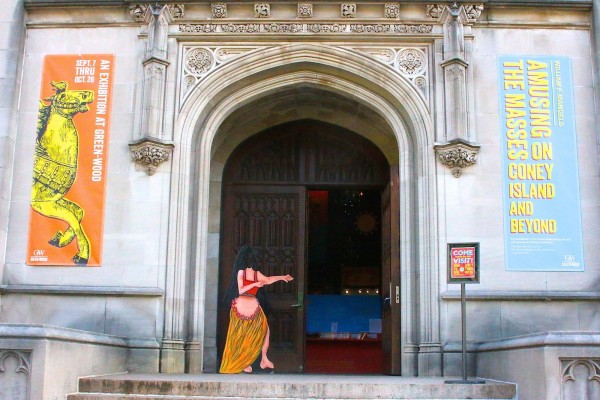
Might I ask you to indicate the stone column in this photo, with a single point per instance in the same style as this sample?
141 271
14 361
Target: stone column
150 150
454 151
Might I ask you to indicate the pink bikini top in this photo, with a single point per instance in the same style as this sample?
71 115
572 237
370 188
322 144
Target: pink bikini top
245 281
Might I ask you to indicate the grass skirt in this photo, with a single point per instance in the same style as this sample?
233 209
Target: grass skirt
245 338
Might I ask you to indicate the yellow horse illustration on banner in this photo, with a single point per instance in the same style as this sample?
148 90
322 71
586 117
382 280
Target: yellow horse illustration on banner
55 165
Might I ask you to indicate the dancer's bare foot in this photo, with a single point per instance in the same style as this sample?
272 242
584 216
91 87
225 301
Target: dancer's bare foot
248 369
266 363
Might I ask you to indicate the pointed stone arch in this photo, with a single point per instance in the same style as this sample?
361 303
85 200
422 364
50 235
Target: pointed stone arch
195 186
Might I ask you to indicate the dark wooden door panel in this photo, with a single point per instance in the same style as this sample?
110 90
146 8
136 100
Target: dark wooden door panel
390 258
272 221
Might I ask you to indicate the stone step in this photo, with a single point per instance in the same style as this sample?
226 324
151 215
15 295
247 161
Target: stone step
282 387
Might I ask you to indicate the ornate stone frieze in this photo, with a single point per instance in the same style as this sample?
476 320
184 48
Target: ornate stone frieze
198 28
370 28
140 12
150 153
218 10
348 10
327 28
283 28
305 10
410 62
391 10
199 61
303 28
580 379
262 10
456 155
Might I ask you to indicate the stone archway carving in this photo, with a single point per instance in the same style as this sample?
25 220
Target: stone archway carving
260 74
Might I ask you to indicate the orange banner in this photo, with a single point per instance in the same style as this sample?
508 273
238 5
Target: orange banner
69 171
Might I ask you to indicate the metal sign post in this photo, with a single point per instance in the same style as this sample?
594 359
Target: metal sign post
463 268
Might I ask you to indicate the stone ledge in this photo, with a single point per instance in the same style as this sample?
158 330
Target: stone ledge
500 295
69 290
49 332
534 340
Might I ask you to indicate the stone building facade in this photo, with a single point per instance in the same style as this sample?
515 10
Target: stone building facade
195 82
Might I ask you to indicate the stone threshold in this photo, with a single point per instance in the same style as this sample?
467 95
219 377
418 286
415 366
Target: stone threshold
283 387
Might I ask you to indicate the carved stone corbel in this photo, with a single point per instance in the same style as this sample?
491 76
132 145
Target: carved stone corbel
150 153
151 150
457 154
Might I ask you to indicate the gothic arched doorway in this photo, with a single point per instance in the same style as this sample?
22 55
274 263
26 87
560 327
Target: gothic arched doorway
281 188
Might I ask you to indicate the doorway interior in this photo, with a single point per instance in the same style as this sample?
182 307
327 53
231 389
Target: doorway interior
310 199
343 282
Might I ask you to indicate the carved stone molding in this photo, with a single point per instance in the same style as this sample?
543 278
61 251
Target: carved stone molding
150 153
254 28
348 10
219 10
580 379
262 10
140 12
434 11
391 10
456 155
15 372
472 11
409 62
199 61
23 360
305 10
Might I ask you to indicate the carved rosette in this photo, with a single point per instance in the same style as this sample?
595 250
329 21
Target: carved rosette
150 153
391 10
411 62
305 10
456 155
219 10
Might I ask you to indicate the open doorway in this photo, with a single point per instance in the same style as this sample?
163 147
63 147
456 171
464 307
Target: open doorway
266 186
343 282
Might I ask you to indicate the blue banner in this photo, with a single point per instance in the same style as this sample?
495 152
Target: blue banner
542 215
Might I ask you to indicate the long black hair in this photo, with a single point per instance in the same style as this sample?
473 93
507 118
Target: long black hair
246 258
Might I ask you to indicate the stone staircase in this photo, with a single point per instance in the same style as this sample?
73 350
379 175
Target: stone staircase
282 387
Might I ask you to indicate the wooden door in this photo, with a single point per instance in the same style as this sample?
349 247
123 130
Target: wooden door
271 219
390 259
